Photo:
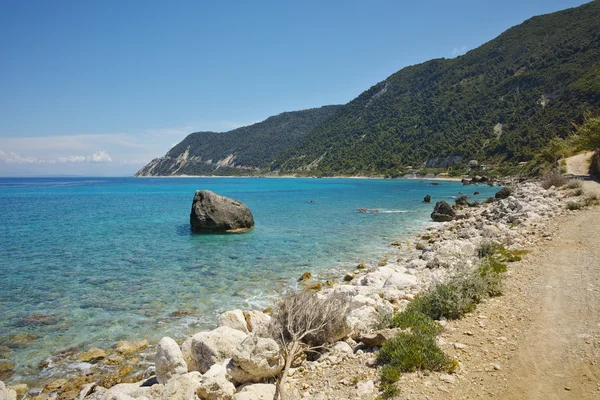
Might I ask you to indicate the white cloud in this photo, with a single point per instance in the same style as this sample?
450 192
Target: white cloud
101 157
14 158
457 51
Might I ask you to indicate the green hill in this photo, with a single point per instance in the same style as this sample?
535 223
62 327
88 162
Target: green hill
503 100
243 151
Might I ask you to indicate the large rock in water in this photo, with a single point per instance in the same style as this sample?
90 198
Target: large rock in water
215 213
442 212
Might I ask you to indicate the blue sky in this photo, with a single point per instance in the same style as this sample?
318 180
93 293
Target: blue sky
102 87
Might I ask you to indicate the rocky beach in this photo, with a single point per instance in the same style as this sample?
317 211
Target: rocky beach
240 359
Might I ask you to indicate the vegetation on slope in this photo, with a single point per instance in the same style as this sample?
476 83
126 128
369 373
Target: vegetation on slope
502 101
241 151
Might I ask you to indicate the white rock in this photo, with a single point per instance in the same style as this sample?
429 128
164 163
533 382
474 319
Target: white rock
365 388
401 281
362 319
169 360
6 393
204 349
341 350
182 387
447 378
258 391
256 359
214 384
257 321
234 319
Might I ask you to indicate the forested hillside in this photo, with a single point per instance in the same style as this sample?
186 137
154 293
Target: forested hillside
241 151
503 100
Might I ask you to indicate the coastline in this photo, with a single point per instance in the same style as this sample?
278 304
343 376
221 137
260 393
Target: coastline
366 280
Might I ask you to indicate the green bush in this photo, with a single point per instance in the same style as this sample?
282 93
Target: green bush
443 301
572 205
409 352
416 321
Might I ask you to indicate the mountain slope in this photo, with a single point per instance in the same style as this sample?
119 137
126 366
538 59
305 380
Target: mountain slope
503 100
241 151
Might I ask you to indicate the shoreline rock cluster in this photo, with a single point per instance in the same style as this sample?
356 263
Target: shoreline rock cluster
239 359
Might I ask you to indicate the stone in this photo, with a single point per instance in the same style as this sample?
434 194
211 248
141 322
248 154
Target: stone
378 338
126 348
442 212
427 199
258 358
204 349
503 193
461 201
92 355
234 319
169 360
307 276
400 281
448 378
365 388
7 369
213 213
55 385
21 389
6 393
257 391
257 321
214 384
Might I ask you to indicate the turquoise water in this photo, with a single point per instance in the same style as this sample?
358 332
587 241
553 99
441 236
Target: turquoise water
93 261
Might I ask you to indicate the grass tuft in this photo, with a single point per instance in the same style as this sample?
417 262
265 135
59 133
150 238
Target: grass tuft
410 352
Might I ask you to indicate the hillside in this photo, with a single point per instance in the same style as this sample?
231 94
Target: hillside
503 100
242 151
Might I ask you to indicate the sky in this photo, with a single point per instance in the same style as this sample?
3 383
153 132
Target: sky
100 88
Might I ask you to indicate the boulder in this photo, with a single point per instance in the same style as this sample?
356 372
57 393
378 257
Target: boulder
427 199
401 281
204 349
442 212
181 387
258 391
257 321
214 384
503 193
169 360
234 319
461 201
215 213
6 393
256 359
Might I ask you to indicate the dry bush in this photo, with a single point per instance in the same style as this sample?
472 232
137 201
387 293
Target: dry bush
304 321
574 184
553 179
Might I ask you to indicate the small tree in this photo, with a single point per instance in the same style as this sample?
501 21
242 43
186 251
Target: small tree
305 321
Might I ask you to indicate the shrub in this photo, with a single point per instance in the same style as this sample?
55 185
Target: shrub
409 352
573 205
416 321
591 199
444 300
574 184
553 179
486 248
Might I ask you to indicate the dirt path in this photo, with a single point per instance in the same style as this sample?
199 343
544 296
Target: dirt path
541 340
579 164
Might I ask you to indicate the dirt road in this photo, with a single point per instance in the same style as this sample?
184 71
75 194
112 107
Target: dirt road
579 164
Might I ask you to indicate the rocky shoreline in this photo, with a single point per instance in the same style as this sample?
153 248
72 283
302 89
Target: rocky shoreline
238 359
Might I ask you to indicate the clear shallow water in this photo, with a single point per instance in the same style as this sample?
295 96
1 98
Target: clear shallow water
96 260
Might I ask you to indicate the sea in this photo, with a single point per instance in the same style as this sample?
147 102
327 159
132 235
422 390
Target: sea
90 261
